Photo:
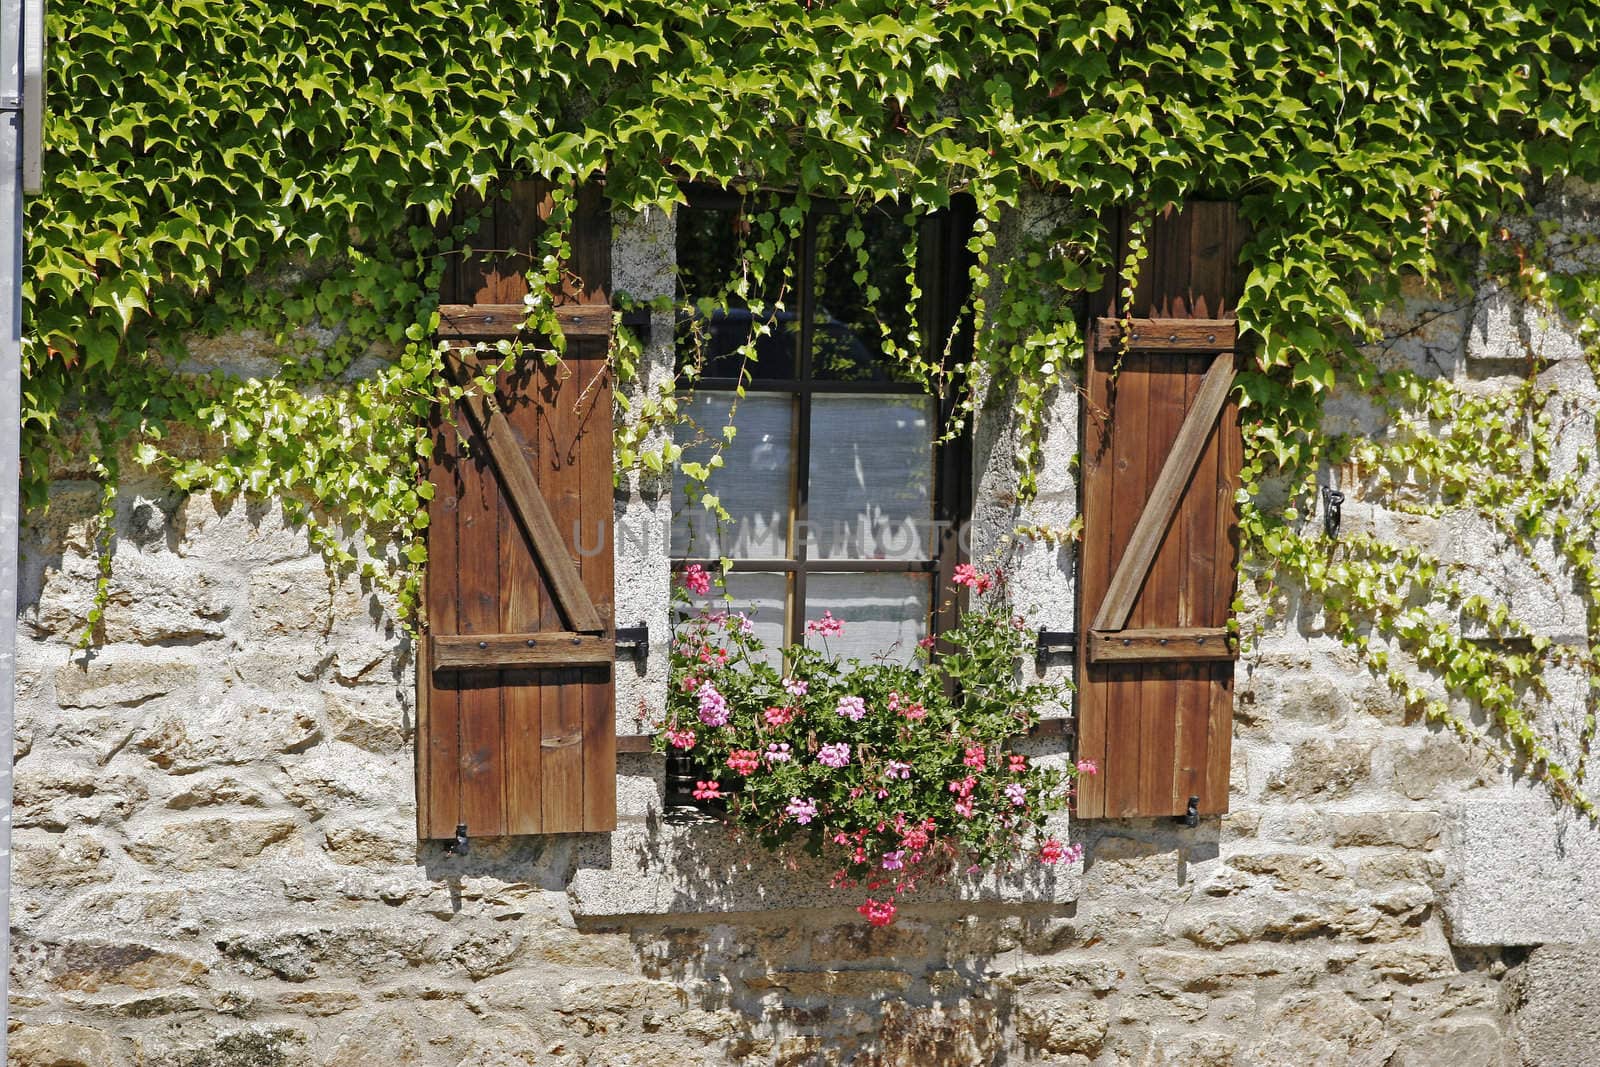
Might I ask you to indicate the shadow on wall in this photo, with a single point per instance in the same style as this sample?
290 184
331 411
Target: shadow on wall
802 980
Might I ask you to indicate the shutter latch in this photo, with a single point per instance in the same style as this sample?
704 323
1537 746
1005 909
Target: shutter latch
636 638
460 846
1056 641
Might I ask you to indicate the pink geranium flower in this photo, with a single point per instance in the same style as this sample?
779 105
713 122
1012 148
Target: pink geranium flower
896 769
696 579
707 791
802 810
968 575
878 912
1053 851
744 761
852 708
713 706
778 753
827 626
835 755
680 738
1087 766
777 716
893 861
795 687
976 758
1018 764
1017 793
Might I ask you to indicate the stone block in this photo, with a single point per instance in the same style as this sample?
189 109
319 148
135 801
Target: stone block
1399 829
252 1046
1060 1024
152 597
1558 1018
1322 769
1172 971
1522 873
1459 1044
375 724
123 677
55 794
64 1044
209 842
90 965
1438 764
237 731
1325 1028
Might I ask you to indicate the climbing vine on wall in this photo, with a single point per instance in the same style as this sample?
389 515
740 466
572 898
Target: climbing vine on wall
285 168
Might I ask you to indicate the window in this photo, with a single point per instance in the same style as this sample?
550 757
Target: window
840 495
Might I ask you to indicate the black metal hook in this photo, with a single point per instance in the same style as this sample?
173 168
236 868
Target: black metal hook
1331 501
460 846
1191 814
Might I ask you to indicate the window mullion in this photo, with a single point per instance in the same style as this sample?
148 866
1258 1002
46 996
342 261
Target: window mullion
806 295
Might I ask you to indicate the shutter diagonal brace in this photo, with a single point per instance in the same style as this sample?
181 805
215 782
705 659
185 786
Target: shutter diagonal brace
522 493
1134 567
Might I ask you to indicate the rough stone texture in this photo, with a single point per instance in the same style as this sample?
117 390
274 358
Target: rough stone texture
1559 1013
1551 859
215 862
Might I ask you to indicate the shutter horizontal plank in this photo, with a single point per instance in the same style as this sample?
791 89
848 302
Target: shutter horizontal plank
550 648
1175 643
495 322
1168 335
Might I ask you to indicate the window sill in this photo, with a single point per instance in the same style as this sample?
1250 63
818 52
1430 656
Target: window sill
663 866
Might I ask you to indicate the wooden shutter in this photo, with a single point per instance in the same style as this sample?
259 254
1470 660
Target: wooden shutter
1161 467
516 727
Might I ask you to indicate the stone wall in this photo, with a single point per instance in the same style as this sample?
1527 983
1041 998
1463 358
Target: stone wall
215 862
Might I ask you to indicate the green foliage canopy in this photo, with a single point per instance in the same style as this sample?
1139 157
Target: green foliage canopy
199 146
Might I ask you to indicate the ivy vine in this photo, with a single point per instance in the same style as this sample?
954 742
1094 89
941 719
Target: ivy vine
284 171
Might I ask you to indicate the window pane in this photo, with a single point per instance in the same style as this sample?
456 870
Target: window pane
753 482
871 477
849 323
883 614
763 597
710 257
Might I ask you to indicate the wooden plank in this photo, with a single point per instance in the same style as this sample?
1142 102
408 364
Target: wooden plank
561 697
1125 681
522 591
1168 335
481 757
1094 570
1158 603
519 651
1195 608
1193 643
529 505
1219 725
439 709
500 321
1157 513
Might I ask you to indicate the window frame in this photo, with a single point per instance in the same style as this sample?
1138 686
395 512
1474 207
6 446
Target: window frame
944 278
